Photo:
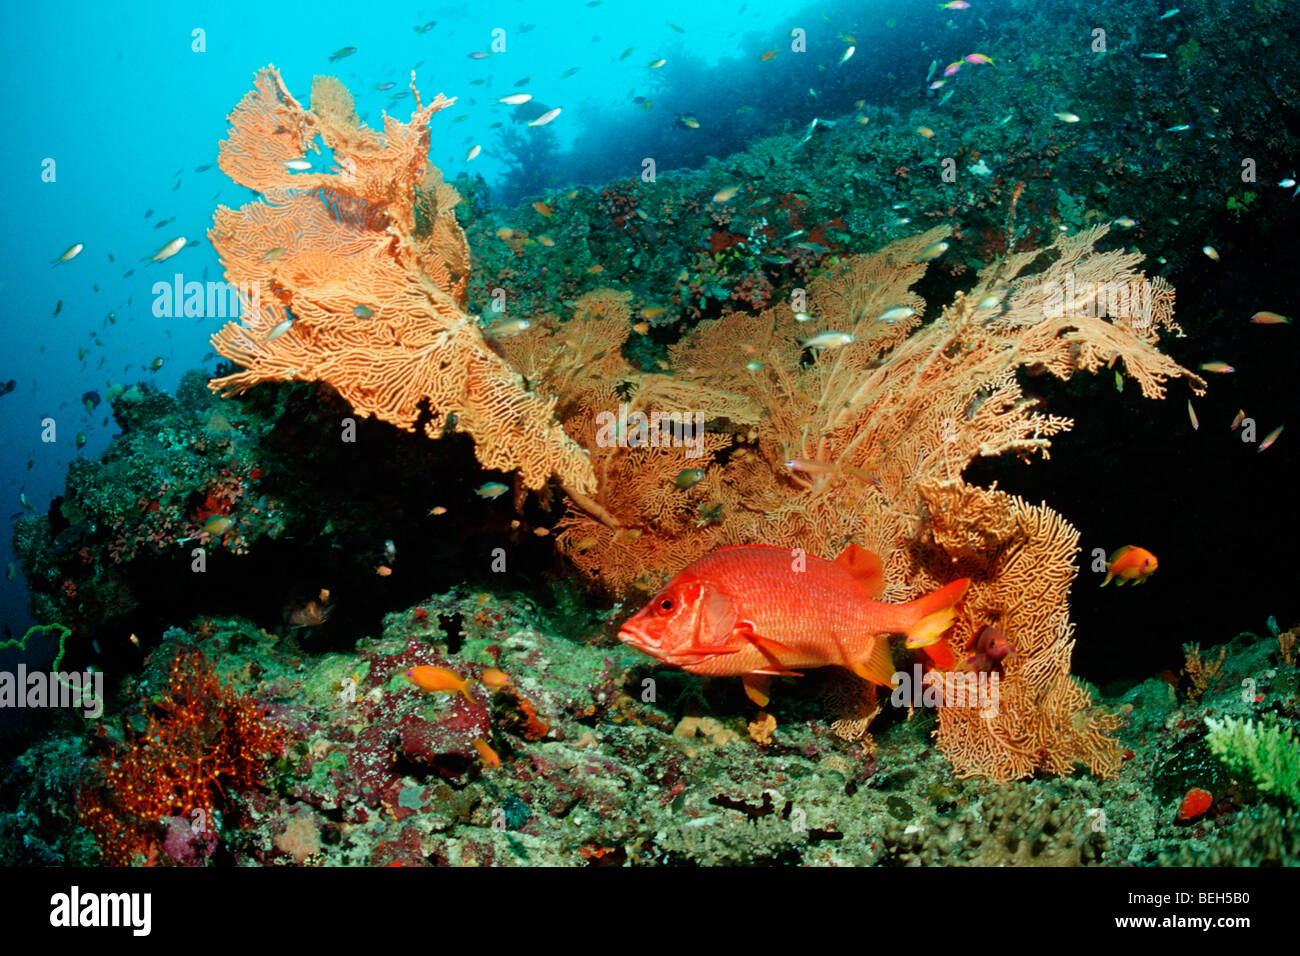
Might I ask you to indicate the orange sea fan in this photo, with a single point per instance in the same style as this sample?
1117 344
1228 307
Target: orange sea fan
359 279
884 429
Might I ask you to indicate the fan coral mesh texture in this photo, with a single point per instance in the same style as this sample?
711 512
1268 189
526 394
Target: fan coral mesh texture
359 279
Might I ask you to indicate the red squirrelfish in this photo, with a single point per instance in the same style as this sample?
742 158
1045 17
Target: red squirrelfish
756 611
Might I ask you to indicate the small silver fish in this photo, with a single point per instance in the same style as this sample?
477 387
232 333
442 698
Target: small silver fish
70 253
546 117
170 249
827 340
278 330
503 330
896 313
297 165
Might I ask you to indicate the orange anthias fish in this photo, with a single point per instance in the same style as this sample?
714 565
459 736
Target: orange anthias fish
749 611
430 678
1130 563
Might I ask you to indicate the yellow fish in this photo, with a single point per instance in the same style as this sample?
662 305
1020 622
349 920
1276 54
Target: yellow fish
487 754
430 678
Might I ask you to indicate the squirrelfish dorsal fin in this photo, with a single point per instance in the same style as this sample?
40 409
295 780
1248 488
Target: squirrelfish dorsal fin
865 567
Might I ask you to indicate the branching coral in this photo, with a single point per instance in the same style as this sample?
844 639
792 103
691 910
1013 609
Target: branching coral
205 744
357 278
1267 753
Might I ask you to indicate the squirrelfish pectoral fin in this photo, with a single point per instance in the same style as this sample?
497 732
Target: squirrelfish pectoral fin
778 652
878 665
865 567
756 688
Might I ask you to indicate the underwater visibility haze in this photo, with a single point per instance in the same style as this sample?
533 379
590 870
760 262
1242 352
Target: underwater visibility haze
695 434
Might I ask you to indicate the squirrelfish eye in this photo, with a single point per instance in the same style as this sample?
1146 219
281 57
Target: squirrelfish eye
665 605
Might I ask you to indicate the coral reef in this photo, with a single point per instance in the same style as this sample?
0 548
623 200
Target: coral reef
862 441
264 735
867 442
602 759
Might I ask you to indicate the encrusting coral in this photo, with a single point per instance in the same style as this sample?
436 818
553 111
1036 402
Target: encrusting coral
358 279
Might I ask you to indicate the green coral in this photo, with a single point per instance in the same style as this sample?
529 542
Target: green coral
1269 753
